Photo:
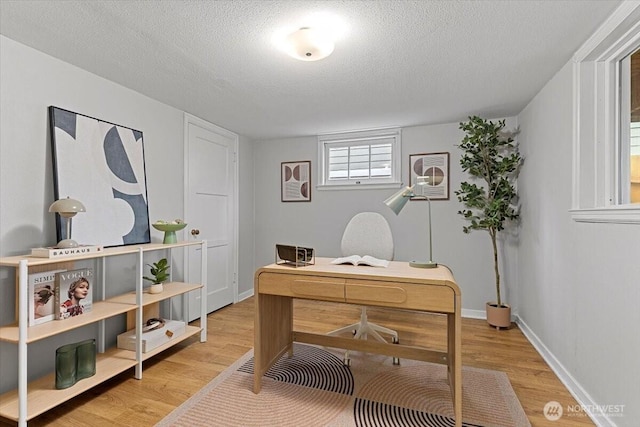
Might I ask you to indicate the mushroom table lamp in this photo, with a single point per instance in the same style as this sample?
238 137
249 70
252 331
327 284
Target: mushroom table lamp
67 209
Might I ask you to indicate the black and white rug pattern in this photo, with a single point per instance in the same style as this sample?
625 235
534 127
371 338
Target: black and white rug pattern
320 369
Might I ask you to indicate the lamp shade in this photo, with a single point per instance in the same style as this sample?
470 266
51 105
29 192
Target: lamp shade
309 44
397 201
67 206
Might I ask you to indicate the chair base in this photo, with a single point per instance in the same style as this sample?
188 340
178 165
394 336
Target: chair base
362 330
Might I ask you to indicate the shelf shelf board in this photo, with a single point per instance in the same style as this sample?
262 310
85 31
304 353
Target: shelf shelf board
171 289
42 394
101 310
188 332
13 261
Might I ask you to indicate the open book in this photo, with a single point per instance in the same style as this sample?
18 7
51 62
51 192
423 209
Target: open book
361 260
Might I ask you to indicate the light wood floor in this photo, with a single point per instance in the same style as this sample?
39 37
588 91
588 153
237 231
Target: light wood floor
173 376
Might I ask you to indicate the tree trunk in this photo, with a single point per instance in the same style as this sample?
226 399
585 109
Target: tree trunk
494 234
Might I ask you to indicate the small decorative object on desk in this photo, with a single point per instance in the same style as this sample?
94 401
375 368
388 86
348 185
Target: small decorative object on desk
160 273
53 252
296 256
73 295
169 228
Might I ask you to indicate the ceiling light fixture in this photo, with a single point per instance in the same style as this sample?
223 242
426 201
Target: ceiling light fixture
309 44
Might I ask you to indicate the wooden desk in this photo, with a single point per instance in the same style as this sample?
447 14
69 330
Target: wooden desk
397 286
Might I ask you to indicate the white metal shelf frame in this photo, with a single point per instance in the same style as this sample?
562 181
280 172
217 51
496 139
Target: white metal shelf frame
22 264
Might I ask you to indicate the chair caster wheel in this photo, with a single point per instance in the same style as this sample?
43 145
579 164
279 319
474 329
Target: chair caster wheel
346 362
396 361
394 340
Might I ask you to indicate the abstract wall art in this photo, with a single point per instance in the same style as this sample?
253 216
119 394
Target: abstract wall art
434 166
295 182
102 165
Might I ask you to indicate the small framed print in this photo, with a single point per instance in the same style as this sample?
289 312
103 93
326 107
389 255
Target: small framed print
295 181
433 166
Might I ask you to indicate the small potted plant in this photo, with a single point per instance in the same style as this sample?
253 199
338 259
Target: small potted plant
490 155
160 273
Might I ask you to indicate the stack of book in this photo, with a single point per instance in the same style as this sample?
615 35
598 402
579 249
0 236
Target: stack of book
53 252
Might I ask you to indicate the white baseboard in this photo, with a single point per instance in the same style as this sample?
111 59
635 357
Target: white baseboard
247 294
474 314
590 407
482 314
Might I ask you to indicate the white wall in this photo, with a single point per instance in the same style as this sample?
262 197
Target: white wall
32 81
579 283
320 223
246 252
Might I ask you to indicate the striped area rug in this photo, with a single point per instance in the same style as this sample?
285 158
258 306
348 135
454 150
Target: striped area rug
314 388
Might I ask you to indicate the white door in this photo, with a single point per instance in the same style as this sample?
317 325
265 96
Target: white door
211 211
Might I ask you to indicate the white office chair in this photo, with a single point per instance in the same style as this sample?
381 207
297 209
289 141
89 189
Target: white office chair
367 233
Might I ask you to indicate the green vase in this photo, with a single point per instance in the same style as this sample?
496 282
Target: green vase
65 366
86 359
75 362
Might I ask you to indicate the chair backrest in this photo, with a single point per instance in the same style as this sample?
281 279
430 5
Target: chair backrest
368 233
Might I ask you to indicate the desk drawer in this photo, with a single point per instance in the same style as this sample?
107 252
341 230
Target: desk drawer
300 286
401 295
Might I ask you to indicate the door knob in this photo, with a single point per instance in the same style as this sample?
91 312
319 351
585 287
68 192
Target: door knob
195 232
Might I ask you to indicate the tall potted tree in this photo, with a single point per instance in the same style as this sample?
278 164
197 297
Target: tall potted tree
490 156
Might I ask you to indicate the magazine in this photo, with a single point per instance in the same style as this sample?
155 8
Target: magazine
361 260
41 296
73 293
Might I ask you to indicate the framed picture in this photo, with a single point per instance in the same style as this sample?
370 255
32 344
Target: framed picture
295 181
435 167
101 164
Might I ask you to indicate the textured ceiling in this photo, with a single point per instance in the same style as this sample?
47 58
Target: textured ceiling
400 63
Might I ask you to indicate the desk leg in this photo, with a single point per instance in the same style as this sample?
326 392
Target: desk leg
273 326
454 338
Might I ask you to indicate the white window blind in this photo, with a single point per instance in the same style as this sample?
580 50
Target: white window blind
360 158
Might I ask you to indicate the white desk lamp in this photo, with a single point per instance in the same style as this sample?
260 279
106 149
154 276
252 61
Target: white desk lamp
398 200
67 209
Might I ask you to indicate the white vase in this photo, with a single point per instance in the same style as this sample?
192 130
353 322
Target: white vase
156 288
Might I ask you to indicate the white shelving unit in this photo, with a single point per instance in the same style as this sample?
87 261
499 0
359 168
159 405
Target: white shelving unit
32 399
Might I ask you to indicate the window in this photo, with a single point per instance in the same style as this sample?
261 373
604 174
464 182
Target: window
360 159
634 163
605 169
630 157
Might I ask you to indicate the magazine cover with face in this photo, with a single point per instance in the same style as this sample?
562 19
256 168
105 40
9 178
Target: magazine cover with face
73 292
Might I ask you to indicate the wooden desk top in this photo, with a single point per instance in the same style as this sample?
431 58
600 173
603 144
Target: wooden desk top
398 271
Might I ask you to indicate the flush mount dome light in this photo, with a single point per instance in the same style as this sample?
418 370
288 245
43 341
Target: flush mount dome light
309 44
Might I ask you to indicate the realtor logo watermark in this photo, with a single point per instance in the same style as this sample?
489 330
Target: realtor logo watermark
553 410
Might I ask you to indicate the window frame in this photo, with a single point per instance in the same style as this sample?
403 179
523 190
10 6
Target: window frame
355 138
597 149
